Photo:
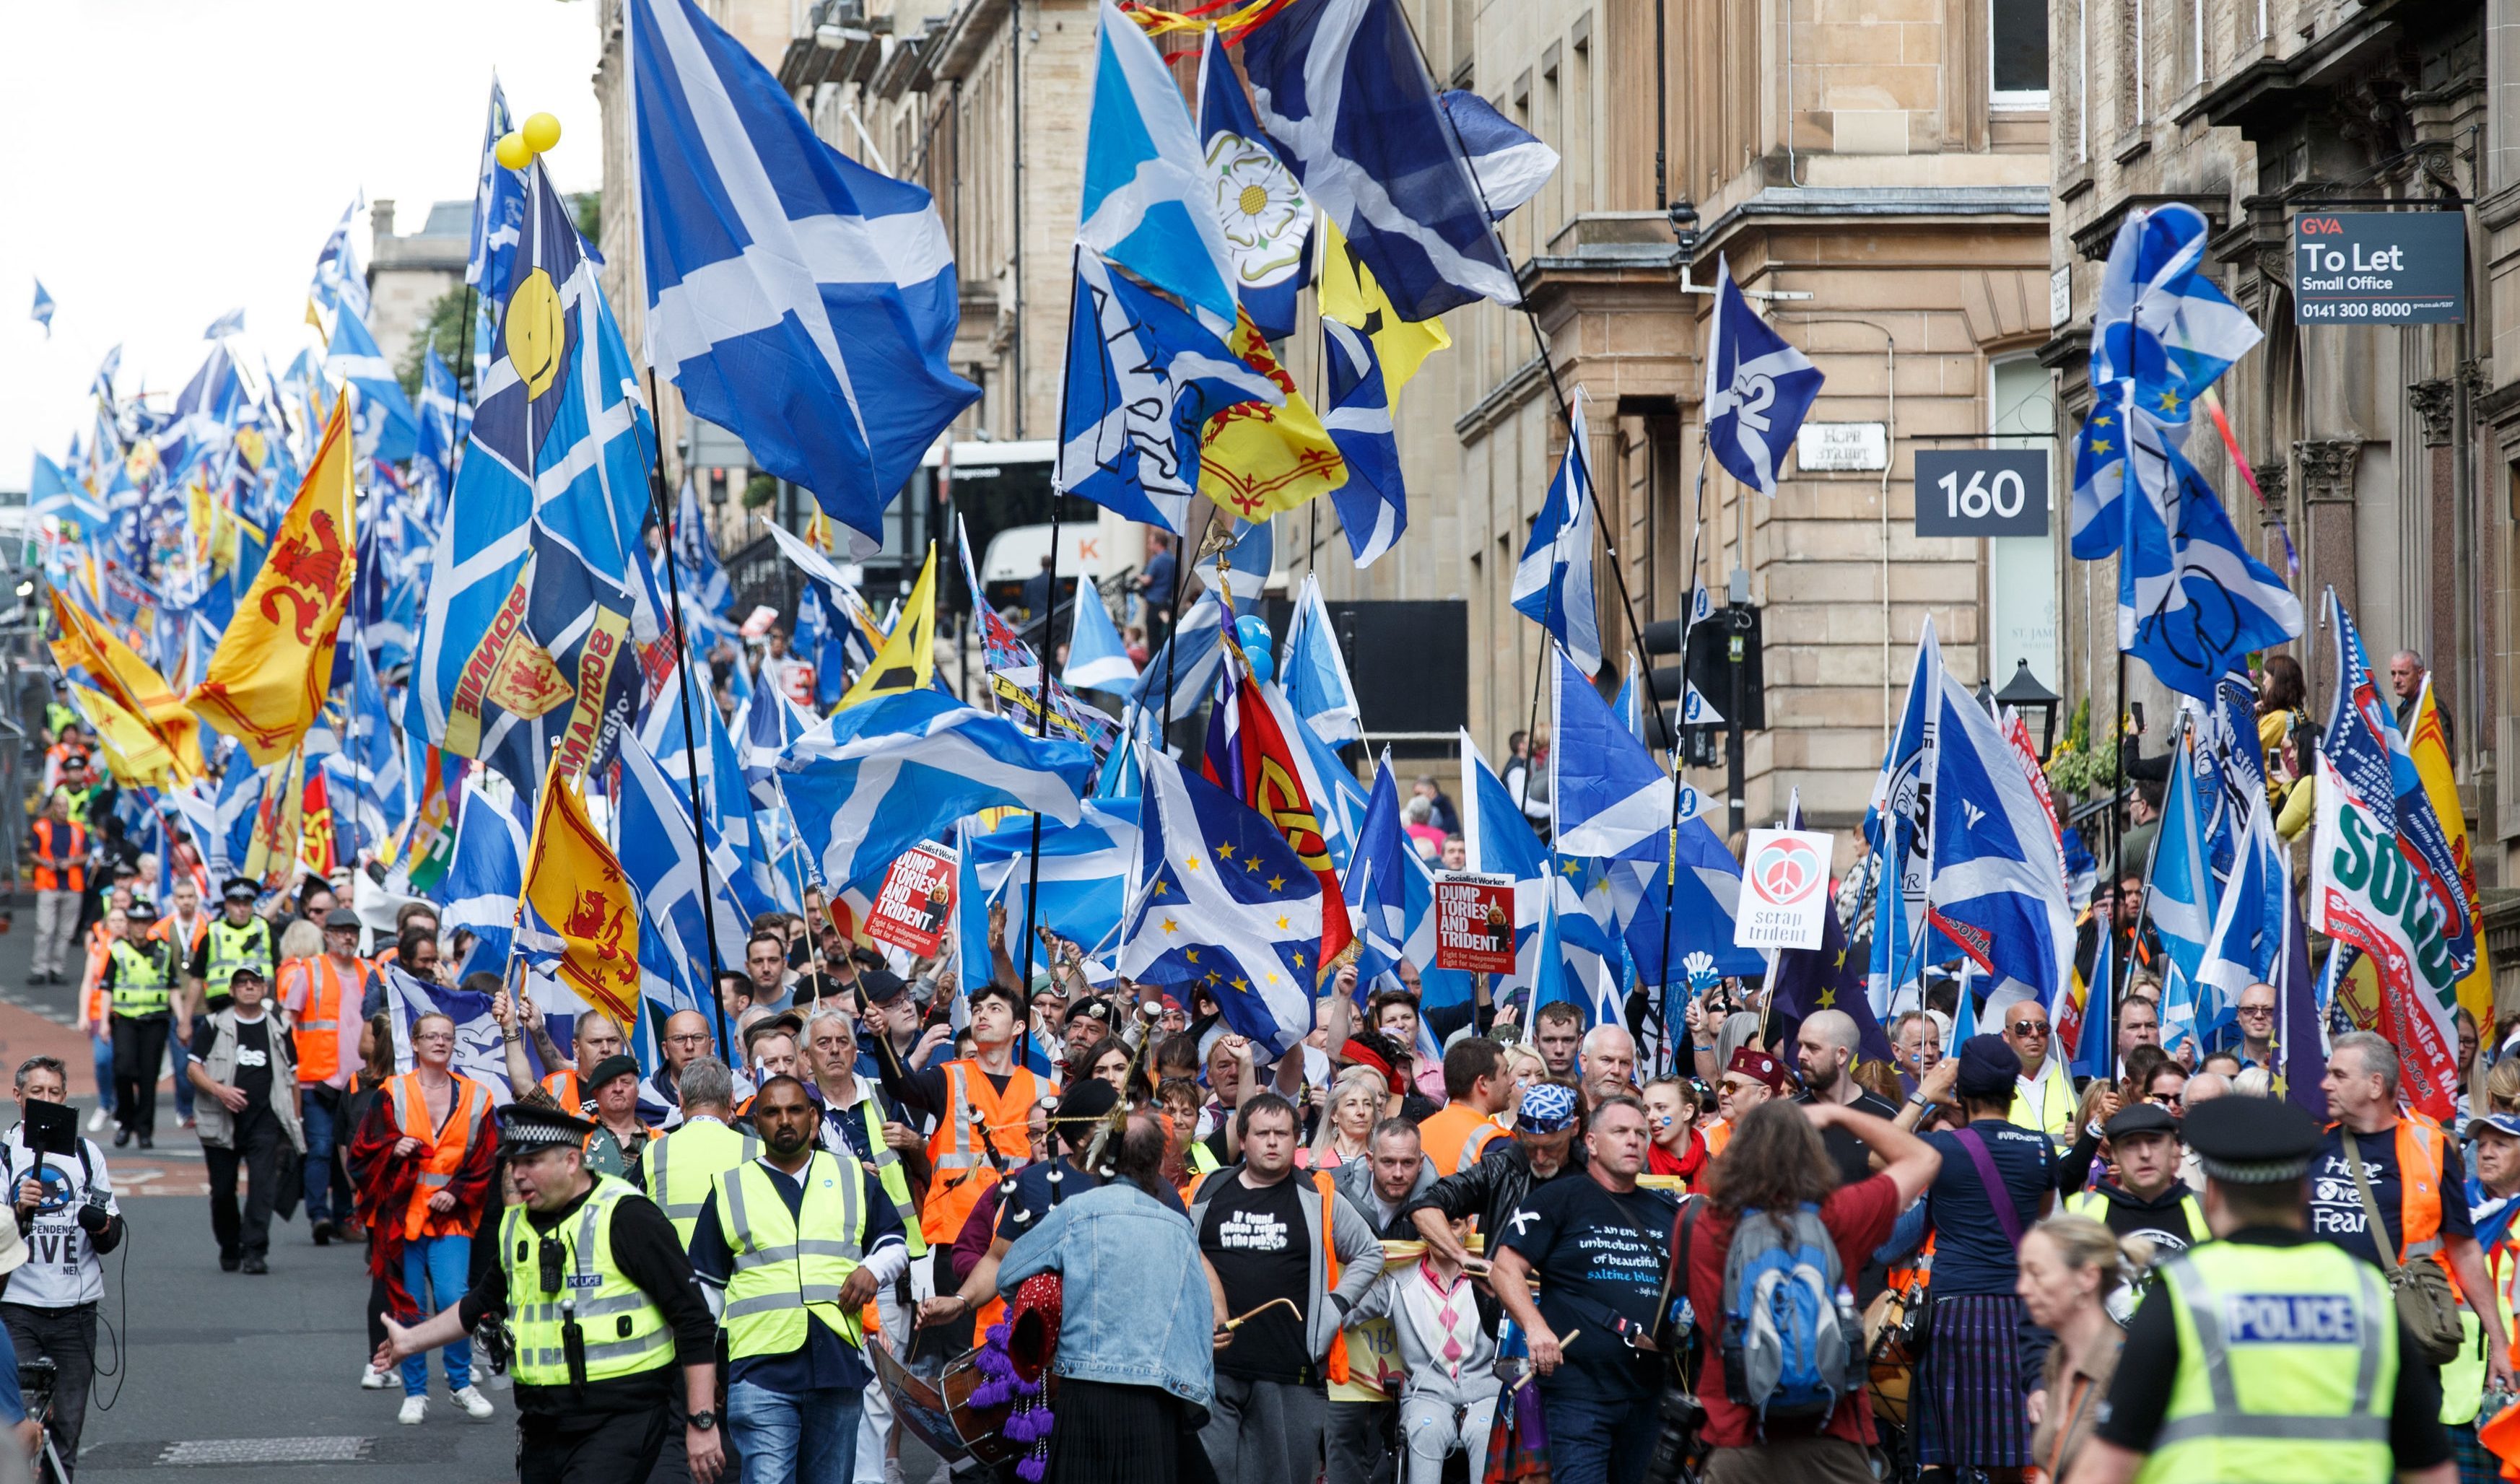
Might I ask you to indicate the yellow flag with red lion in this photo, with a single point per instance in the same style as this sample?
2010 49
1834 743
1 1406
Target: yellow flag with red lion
274 666
578 904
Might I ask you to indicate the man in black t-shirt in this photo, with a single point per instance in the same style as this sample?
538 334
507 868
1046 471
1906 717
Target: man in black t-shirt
240 1054
1602 1251
1826 1050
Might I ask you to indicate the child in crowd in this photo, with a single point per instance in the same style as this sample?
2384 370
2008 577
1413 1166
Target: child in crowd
1450 1397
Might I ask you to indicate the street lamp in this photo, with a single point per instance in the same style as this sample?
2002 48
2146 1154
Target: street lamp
2024 693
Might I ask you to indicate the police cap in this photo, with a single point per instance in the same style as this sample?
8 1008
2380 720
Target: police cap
2252 1141
528 1126
240 888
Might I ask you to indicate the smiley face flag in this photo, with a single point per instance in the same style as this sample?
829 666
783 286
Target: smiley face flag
578 914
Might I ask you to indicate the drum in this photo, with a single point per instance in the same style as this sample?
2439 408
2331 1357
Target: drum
1893 1322
934 1403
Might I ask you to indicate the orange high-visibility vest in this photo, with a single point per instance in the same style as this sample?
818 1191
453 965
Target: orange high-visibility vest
1454 1137
963 1168
1325 1183
1716 1133
563 1086
327 1021
57 860
443 1149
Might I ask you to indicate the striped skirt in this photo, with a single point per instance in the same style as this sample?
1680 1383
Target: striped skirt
1972 1410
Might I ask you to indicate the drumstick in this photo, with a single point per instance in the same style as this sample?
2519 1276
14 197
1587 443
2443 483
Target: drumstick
1524 1379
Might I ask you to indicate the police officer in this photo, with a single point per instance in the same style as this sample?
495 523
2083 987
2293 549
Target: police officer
679 1164
140 975
2265 1356
602 1305
237 941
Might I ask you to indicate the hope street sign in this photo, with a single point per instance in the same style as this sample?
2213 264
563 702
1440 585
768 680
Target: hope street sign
1982 492
2379 268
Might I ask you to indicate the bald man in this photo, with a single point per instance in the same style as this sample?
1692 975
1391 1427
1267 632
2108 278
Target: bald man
1825 1048
2406 676
685 1039
1608 1063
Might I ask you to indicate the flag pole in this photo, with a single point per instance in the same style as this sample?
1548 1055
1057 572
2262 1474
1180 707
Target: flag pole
1041 699
682 669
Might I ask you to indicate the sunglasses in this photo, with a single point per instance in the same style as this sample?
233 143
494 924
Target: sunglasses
2030 1027
2257 1011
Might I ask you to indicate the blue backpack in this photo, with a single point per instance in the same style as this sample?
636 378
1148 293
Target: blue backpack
1793 1343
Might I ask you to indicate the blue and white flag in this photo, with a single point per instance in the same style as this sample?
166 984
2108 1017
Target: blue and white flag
664 867
1148 203
498 205
480 890
233 809
1373 504
1500 842
1247 561
1997 887
1143 378
228 324
706 587
2246 945
1266 218
1553 584
1085 873
53 493
42 313
371 799
1509 163
1314 672
1249 939
1580 957
1758 388
340 282
740 863
2179 898
1097 660
2099 474
1703 882
1608 795
1342 90
798 300
480 1046
1899 826
878 778
524 649
1187 663
383 421
1374 883
2192 600
2160 328
438 410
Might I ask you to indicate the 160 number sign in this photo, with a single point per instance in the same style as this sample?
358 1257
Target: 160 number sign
1982 492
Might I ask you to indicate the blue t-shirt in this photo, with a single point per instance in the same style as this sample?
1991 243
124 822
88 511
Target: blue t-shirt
1971 1252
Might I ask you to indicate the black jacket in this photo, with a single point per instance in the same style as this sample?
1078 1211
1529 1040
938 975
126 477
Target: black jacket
1490 1189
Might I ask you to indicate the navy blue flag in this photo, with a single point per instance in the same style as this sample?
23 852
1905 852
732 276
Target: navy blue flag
1826 977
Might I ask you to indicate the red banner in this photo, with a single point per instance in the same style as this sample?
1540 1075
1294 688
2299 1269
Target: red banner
1474 922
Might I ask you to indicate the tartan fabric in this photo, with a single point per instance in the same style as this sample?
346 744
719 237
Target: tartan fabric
1972 1410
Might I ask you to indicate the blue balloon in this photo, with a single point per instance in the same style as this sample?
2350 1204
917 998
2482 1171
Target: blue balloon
1253 631
1261 666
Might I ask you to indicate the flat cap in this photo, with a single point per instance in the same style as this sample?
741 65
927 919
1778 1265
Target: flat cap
2140 1119
342 920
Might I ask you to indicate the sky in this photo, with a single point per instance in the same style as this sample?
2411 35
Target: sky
172 160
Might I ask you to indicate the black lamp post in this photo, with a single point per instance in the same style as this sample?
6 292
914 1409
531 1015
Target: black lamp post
2023 692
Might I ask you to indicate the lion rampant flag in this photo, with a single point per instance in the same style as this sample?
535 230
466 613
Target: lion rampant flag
577 905
273 667
132 751
1256 460
131 683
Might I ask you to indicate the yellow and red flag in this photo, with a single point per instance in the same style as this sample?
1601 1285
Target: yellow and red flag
130 682
1256 460
274 666
2429 750
579 905
316 855
279 820
133 753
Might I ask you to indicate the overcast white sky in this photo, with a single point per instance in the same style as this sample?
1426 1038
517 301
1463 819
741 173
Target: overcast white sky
171 159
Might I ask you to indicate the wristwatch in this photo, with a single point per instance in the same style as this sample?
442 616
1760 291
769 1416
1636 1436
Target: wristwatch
705 1422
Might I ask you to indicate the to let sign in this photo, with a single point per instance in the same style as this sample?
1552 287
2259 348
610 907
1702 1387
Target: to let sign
916 901
1982 492
1785 889
1475 921
2379 268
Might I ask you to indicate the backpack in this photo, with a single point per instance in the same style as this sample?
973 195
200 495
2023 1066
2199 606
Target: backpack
1791 1338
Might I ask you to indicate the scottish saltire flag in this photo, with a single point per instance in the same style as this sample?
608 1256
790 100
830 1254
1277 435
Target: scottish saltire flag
706 588
370 791
2100 471
1579 960
1248 560
479 892
2230 767
1179 675
2093 1017
234 807
437 442
664 866
1758 388
1509 163
1264 215
524 650
339 280
1342 91
1150 205
1695 710
2179 898
42 313
740 862
1703 884
383 421
2192 600
1143 378
480 1046
2246 944
1085 872
878 778
1609 796
498 205
1900 827
2159 326
203 417
1222 902
1997 886
797 298
1015 672
1339 799
1553 584
1314 673
1500 842
1097 660
1373 504
53 493
1375 879
228 324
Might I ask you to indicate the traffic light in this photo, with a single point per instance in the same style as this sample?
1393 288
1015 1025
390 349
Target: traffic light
1727 636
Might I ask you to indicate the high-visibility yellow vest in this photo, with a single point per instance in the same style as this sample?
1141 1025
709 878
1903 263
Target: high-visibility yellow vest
624 1332
232 948
787 1265
2093 1204
143 983
2462 1379
2288 1366
2052 1110
678 1166
895 1178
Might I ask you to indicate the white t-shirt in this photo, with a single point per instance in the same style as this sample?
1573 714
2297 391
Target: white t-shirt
62 1268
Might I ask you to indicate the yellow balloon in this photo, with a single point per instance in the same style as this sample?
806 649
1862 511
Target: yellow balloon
542 131
514 152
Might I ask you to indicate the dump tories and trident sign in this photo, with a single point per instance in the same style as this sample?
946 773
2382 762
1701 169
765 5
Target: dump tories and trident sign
2379 268
1785 889
917 900
1474 922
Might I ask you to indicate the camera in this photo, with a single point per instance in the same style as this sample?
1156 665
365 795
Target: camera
1677 1453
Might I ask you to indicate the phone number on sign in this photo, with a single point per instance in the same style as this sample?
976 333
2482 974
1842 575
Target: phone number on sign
2394 309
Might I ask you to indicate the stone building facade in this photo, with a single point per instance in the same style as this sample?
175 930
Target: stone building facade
412 272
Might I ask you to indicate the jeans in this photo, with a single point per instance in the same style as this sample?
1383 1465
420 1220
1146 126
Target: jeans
69 1338
182 1055
255 1149
101 1047
1597 1439
440 1263
320 1111
139 1050
57 915
805 1437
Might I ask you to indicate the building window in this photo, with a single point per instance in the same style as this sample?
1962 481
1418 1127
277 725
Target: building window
2018 43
